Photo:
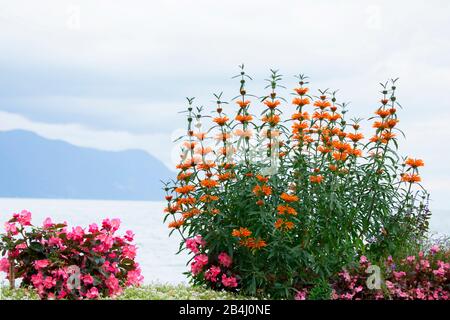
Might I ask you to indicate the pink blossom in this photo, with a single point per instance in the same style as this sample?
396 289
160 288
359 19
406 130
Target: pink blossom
87 279
363 260
49 282
11 228
48 223
24 218
399 275
134 277
224 259
212 273
93 228
435 249
301 295
193 243
129 252
4 265
199 262
92 293
439 272
230 282
129 235
40 264
411 259
113 285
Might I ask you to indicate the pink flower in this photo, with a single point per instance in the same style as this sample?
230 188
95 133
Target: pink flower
399 275
129 235
49 282
363 260
129 252
87 279
199 262
40 264
229 282
301 295
411 259
11 228
4 265
193 243
113 285
48 223
212 273
24 218
115 224
93 228
439 272
224 259
435 249
92 293
134 277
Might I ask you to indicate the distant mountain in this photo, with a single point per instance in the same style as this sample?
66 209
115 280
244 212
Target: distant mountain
35 167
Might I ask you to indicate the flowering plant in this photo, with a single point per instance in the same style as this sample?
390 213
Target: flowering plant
294 200
68 264
421 277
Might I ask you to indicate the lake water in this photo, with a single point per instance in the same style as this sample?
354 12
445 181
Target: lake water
156 251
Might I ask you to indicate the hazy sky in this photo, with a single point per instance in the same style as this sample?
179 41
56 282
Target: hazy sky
113 74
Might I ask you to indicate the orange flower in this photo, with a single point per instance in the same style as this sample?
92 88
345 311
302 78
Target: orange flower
301 91
299 126
200 135
288 197
341 146
241 233
286 210
184 175
323 149
411 178
316 179
382 113
208 198
223 136
191 213
208 183
340 156
261 191
284 225
243 104
186 201
272 104
176 224
185 189
300 101
321 115
221 121
271 119
244 118
355 137
224 176
300 116
203 150
391 123
332 167
334 117
244 133
260 202
262 178
322 104
279 223
356 152
414 163
387 136
253 243
206 165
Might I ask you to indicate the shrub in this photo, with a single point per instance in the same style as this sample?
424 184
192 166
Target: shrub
292 201
76 264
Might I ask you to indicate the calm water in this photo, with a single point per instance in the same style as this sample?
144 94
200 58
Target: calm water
156 251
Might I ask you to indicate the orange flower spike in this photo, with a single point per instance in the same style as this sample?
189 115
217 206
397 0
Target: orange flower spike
243 104
271 119
355 137
300 101
262 178
289 198
176 224
208 183
414 163
411 178
221 121
322 104
300 116
185 189
301 91
382 113
316 179
244 118
272 104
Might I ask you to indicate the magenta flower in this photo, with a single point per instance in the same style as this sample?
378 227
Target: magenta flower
229 282
225 260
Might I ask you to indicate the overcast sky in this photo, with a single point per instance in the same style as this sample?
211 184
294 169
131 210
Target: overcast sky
112 74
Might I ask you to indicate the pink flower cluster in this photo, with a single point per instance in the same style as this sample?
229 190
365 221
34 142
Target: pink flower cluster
216 275
70 263
420 277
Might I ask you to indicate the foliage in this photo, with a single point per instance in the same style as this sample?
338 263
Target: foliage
63 264
292 200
